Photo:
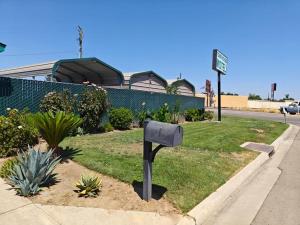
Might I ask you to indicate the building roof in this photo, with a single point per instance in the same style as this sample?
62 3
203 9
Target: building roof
176 81
75 70
129 75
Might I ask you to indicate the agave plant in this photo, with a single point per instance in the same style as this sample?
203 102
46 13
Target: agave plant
89 186
33 170
55 127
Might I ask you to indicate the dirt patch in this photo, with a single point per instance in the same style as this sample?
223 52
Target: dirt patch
114 194
260 131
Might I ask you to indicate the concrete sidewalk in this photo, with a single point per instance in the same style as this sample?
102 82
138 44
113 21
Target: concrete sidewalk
282 206
16 210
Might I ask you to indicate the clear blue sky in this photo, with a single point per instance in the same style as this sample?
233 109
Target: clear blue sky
261 38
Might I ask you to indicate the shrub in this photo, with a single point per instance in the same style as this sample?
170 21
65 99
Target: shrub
208 115
33 170
194 114
162 114
121 118
91 106
175 113
58 101
55 127
108 127
16 132
89 186
6 168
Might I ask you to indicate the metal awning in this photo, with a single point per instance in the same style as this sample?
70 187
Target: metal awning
86 69
177 81
71 71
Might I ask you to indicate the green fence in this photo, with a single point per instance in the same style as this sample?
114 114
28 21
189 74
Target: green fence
20 94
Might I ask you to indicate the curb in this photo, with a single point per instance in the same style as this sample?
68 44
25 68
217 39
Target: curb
216 200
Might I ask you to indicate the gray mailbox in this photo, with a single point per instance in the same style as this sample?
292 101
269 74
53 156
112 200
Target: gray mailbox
166 135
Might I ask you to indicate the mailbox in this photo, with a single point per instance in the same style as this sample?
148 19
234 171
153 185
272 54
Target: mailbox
166 135
169 135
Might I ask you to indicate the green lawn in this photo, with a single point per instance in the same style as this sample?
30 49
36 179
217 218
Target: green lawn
209 156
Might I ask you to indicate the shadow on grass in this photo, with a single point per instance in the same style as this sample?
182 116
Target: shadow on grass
69 153
157 190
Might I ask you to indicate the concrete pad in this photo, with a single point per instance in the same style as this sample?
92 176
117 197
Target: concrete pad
27 215
67 215
9 199
187 221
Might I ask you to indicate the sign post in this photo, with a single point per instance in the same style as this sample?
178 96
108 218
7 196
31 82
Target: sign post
273 89
2 47
208 91
219 64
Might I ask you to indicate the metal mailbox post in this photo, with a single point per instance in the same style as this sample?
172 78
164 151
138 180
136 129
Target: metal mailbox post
166 135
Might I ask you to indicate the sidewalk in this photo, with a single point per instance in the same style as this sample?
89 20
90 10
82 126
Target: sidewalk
16 210
282 205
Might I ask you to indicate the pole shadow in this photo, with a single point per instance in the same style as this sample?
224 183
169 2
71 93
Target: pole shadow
157 190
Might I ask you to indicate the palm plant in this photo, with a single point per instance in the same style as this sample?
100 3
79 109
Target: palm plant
55 127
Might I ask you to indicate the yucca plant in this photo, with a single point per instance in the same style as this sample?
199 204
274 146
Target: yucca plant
89 186
55 127
33 170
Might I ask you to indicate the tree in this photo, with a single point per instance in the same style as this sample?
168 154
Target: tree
254 97
287 97
172 89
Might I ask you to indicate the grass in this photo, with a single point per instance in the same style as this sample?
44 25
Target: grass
209 156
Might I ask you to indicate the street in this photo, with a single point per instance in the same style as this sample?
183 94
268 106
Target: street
292 119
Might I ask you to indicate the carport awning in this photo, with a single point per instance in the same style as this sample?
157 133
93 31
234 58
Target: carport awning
86 69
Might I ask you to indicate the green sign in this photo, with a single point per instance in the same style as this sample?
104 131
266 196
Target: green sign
2 47
219 62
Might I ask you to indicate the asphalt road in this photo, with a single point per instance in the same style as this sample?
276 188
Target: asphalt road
292 119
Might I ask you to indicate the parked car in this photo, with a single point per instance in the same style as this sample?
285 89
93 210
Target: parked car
292 108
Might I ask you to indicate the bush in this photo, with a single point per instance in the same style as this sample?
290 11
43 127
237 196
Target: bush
208 115
33 170
162 114
55 127
16 132
194 114
175 113
58 101
121 118
108 127
6 168
91 106
89 186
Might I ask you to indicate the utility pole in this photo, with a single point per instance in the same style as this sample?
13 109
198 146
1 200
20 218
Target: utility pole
80 40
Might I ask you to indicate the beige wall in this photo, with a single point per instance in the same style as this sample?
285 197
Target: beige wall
230 101
261 104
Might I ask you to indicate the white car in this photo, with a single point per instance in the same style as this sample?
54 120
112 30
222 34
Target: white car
292 108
